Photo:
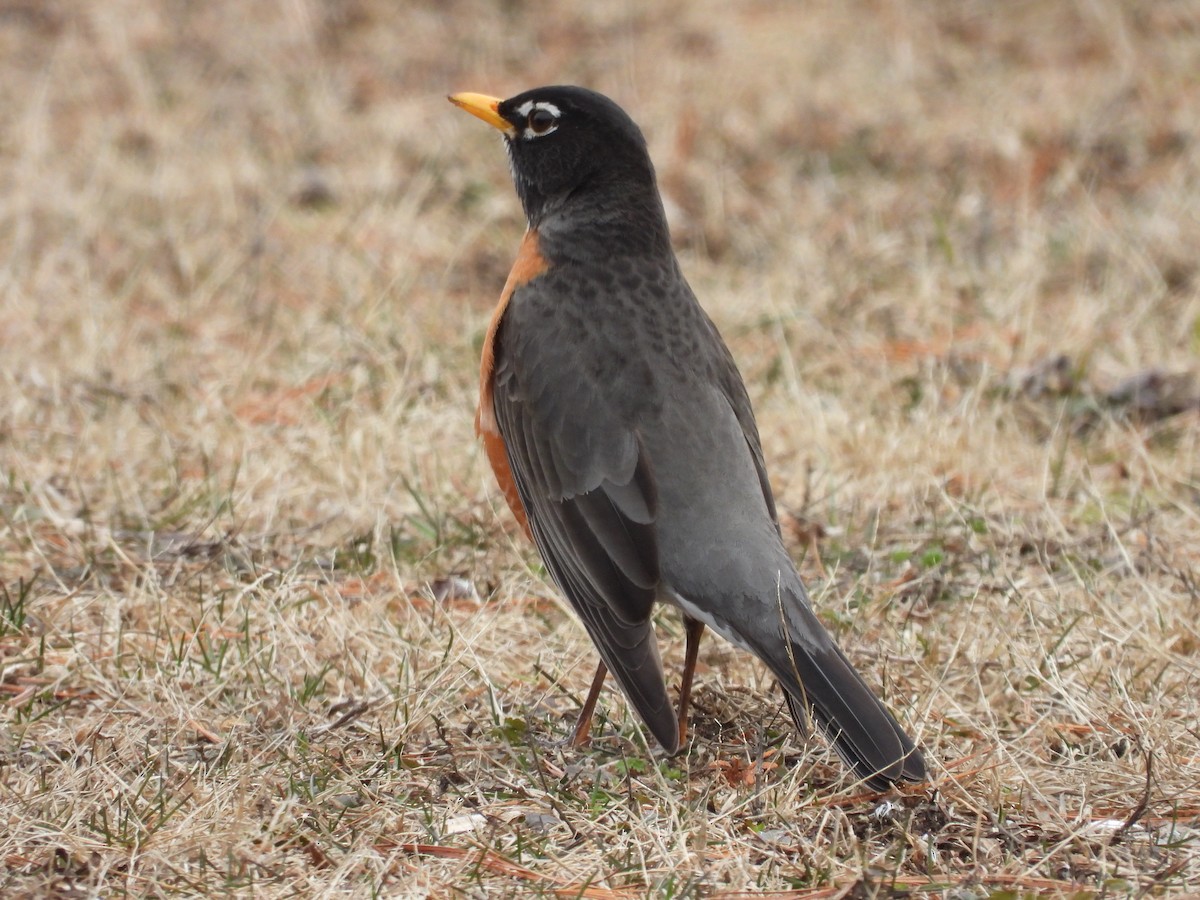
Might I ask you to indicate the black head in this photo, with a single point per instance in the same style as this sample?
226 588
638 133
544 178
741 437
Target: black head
572 151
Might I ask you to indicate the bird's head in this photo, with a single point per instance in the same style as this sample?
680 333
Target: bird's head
569 147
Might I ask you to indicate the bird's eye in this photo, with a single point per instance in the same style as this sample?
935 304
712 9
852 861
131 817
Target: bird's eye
541 120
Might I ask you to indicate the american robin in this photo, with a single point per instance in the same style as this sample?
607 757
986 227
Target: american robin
621 434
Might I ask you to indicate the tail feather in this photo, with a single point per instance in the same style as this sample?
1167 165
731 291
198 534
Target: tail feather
861 729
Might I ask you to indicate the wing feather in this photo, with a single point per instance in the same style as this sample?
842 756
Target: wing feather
597 536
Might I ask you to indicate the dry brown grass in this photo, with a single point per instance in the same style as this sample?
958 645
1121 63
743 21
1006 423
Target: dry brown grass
264 627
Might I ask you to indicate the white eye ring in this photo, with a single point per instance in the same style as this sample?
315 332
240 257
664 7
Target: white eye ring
541 118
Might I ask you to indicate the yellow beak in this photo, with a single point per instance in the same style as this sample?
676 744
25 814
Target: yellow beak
483 107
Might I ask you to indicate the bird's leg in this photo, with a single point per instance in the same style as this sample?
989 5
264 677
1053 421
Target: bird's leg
695 630
583 728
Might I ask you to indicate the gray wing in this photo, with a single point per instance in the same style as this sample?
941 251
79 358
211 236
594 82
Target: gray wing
729 380
583 477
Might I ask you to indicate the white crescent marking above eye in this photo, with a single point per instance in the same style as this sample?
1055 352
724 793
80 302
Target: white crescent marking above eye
530 105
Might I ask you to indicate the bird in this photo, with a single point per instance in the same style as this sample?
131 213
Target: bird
621 434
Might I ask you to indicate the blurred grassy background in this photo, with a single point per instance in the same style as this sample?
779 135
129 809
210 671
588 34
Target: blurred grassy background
264 624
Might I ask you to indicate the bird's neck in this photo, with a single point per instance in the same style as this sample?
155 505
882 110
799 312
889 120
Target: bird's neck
620 219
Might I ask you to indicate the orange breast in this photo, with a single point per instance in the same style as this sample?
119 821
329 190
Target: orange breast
529 265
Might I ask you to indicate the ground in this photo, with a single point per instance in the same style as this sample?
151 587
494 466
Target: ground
266 626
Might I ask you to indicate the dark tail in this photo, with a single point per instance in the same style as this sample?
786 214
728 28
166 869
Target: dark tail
864 733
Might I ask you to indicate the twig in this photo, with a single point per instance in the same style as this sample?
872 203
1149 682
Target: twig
1143 804
493 862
